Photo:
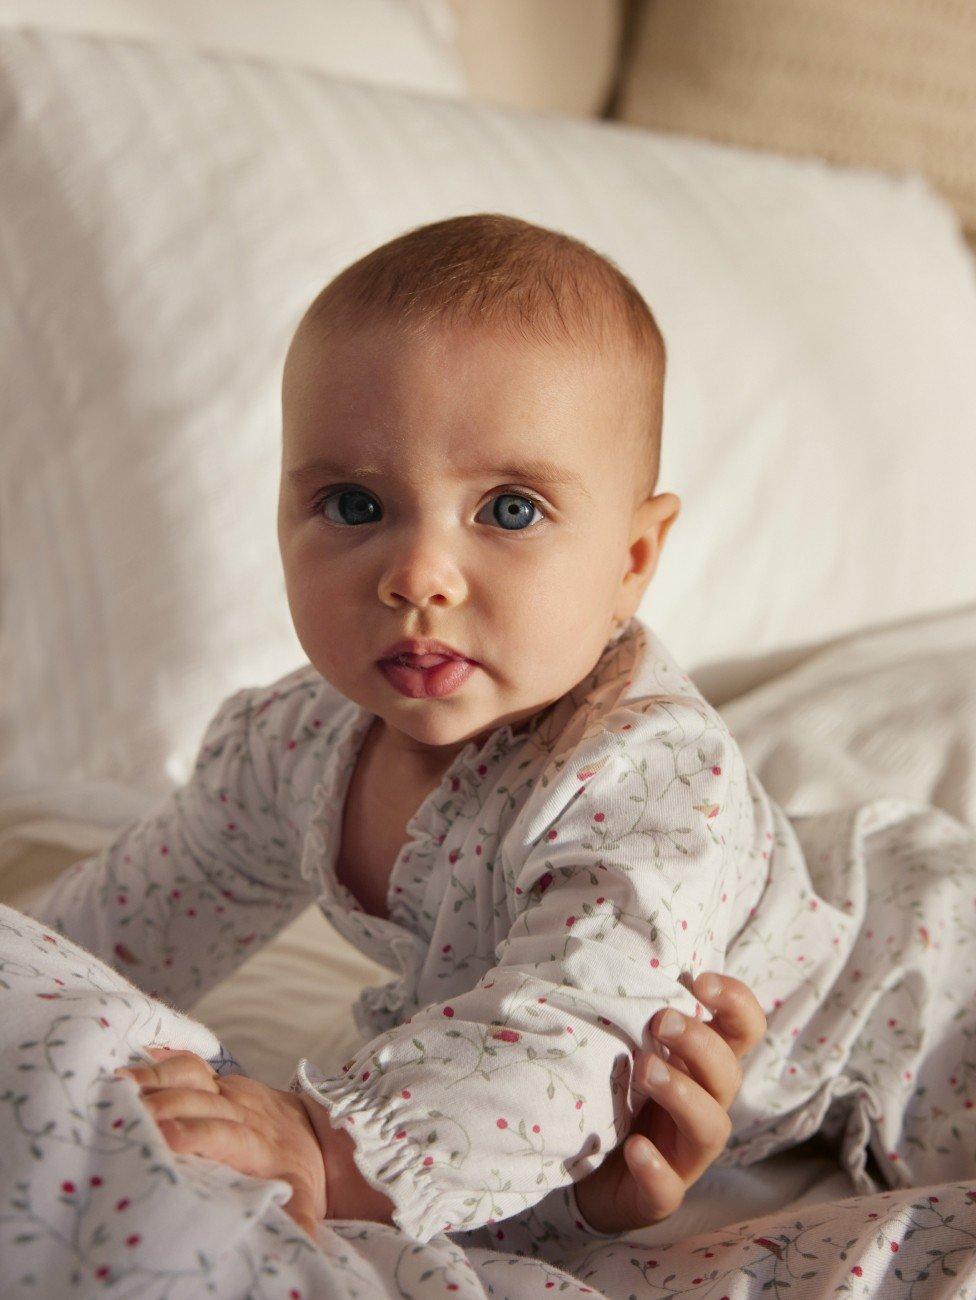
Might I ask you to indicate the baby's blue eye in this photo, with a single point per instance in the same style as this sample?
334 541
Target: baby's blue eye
355 506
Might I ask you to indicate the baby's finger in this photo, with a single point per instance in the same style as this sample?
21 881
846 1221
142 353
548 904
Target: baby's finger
736 1014
182 1068
659 1190
227 1141
706 1055
697 1116
188 1103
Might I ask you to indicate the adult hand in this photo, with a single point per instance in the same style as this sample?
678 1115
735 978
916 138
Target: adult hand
684 1125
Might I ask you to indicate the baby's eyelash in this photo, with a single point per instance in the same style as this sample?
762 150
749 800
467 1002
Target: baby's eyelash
498 492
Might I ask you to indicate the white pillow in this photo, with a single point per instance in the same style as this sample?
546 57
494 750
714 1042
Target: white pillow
407 43
165 218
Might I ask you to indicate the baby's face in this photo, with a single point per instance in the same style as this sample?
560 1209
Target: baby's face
466 488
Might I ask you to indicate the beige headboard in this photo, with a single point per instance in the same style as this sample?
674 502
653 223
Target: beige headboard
889 84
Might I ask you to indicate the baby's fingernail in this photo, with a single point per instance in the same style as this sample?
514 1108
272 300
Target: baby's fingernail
672 1023
643 1153
709 987
657 1072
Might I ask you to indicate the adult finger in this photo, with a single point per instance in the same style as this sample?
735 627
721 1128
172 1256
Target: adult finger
184 1068
736 1013
709 1059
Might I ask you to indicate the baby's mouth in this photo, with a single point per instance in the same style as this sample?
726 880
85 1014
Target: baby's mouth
419 661
427 676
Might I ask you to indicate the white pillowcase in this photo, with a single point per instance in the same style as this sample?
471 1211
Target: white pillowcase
407 43
165 218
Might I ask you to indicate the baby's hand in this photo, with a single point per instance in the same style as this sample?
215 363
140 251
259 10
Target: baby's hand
684 1126
238 1122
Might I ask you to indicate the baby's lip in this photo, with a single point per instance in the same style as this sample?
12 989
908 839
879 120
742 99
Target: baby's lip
421 647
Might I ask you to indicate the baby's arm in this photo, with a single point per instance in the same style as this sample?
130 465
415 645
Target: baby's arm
182 898
478 1107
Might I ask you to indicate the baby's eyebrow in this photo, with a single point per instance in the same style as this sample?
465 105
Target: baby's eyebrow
538 468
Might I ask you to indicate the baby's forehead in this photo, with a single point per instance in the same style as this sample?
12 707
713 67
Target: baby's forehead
497 384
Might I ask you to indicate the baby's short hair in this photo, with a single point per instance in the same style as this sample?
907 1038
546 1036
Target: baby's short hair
491 269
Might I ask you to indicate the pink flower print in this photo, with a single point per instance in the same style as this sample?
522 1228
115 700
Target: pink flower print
482 769
123 1204
428 1160
507 1036
550 835
455 783
716 771
655 962
448 1011
544 881
536 1128
68 1188
405 1093
95 1180
446 948
570 920
127 955
599 817
133 1240
452 857
502 1123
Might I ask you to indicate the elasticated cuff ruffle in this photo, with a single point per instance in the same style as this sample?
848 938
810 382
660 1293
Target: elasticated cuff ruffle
385 1154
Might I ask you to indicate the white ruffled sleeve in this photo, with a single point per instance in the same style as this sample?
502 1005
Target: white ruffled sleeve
617 873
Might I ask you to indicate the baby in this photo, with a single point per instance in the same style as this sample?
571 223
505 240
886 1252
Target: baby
494 779
491 775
